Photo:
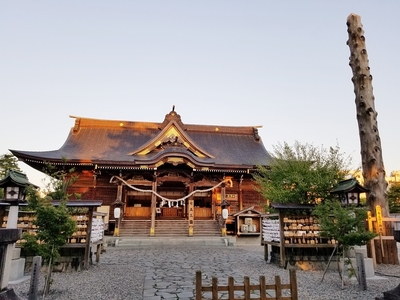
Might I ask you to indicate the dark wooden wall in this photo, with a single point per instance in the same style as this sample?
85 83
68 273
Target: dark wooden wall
99 188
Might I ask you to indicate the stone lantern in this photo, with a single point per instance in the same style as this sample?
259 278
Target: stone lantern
14 185
224 212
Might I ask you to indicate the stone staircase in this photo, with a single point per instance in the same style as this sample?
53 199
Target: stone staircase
206 228
136 233
132 228
168 228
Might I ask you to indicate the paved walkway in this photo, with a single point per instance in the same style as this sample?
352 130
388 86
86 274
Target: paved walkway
170 274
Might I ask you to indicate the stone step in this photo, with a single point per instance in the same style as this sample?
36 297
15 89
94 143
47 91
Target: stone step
168 228
130 242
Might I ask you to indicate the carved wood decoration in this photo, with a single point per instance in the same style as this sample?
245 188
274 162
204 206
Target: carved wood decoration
171 136
371 149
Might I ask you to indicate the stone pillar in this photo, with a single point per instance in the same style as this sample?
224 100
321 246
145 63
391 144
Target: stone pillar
12 221
17 264
8 237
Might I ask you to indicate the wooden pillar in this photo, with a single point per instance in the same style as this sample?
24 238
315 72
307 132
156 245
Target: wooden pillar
214 204
213 207
282 253
223 192
266 252
240 194
88 238
119 193
118 220
94 185
153 207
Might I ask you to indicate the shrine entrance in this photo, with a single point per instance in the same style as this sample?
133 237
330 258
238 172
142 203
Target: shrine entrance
138 204
203 205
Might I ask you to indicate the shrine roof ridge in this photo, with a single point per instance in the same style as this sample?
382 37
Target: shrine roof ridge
143 125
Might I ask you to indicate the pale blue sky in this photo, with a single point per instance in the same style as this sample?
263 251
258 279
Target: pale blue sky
279 64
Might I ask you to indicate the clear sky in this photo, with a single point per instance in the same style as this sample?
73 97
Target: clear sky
283 65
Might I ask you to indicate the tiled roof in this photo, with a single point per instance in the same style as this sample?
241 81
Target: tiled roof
109 142
349 185
16 178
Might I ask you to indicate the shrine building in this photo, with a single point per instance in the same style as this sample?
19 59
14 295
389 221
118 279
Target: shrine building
168 170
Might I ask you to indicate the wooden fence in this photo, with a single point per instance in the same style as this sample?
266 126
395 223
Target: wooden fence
249 290
382 249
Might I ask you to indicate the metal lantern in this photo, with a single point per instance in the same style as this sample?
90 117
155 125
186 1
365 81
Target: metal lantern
349 192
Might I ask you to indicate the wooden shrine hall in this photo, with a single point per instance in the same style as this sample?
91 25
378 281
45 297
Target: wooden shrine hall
168 170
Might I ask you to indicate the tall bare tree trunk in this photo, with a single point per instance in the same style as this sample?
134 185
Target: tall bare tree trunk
371 150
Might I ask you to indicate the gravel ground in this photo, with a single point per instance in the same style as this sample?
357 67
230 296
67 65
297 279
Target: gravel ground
120 275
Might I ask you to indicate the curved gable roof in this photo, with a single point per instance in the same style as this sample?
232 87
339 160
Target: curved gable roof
139 144
172 134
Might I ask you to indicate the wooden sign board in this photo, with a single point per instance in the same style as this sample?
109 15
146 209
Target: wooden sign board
379 218
231 196
191 213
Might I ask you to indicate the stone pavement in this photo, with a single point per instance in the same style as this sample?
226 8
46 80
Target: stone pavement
165 271
170 273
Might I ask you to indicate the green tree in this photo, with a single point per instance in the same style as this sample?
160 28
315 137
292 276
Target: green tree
8 162
54 223
301 173
60 180
394 197
344 225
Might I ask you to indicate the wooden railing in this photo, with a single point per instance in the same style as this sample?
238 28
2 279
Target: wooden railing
228 292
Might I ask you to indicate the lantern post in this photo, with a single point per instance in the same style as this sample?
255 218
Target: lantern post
117 216
225 214
14 186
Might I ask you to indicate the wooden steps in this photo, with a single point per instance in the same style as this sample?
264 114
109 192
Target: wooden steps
166 228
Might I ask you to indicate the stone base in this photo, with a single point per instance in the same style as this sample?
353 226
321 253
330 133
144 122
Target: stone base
17 269
368 264
229 241
16 253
